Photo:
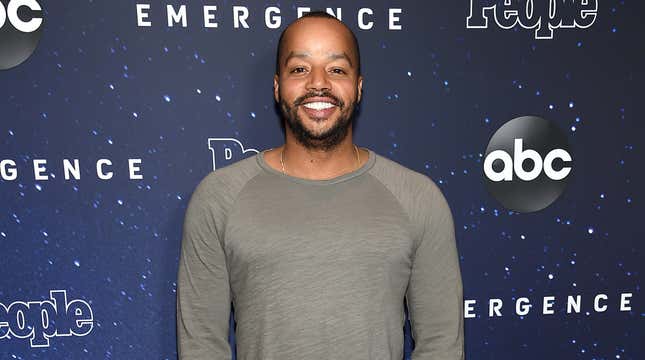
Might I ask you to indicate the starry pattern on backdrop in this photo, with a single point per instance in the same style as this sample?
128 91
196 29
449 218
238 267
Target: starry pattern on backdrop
98 86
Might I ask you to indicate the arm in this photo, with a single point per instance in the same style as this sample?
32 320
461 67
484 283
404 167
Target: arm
203 292
435 294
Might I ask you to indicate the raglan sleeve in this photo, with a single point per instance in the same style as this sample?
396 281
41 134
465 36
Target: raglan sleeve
203 291
435 294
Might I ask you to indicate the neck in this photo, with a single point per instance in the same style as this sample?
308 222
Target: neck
320 164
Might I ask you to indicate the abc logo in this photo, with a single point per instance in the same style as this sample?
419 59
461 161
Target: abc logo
527 164
20 30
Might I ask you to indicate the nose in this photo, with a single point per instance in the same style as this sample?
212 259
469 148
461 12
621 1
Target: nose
318 79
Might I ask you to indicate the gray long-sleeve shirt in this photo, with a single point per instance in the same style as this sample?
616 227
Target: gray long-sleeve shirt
318 269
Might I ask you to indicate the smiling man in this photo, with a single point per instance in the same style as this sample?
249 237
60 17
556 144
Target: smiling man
318 244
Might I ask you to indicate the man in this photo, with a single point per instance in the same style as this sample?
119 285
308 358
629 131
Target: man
318 242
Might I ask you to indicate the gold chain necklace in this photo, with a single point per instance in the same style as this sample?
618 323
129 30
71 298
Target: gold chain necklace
358 159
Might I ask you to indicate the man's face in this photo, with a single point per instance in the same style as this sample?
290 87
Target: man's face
318 86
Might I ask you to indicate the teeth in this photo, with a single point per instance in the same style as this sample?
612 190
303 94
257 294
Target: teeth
319 105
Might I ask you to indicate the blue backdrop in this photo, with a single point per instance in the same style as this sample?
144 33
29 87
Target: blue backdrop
160 106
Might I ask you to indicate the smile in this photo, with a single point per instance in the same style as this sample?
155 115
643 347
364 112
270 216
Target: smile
318 105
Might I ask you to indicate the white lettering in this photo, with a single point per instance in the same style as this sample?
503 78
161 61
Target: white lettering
361 19
469 308
516 163
596 303
68 168
8 173
134 166
71 169
99 169
143 15
494 306
573 305
519 156
624 302
175 17
39 169
547 306
240 14
208 16
548 164
522 306
394 19
338 14
543 16
272 21
23 26
302 11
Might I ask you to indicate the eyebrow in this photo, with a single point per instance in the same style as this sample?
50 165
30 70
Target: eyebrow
303 55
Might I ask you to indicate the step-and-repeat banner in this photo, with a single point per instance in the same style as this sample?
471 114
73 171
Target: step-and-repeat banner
524 112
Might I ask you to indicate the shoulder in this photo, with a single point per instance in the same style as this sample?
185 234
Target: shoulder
402 181
417 193
223 184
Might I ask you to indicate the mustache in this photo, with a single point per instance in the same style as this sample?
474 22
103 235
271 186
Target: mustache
328 94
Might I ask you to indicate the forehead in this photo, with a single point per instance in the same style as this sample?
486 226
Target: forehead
317 36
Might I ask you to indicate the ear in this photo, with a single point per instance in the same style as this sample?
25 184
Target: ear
276 88
360 88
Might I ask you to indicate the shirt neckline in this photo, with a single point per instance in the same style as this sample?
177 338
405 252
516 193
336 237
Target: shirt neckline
368 164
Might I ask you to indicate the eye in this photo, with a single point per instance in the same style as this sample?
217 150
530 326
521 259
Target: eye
338 71
296 70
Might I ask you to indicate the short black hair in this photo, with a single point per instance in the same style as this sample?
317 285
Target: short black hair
325 15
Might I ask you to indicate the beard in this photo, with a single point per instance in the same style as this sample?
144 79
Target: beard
329 138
